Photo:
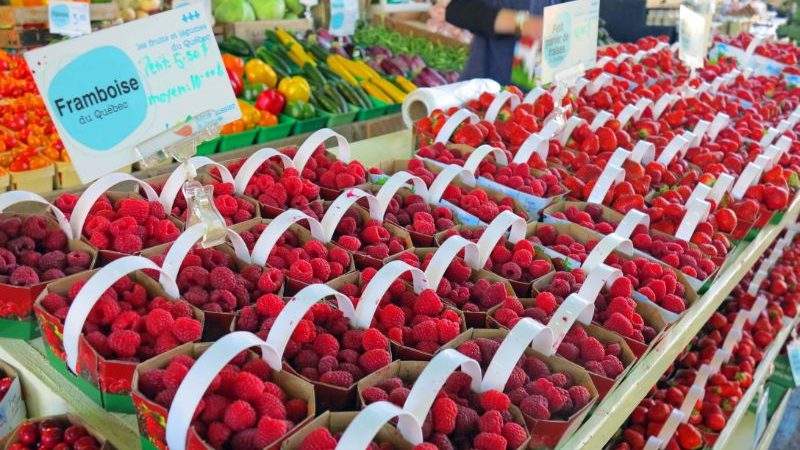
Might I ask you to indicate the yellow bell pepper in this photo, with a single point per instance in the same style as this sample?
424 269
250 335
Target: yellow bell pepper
257 71
295 88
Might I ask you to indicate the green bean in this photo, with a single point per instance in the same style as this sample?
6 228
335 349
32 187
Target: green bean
437 56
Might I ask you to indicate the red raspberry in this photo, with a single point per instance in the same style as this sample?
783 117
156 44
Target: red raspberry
123 225
270 430
321 269
374 359
127 243
218 434
491 422
535 406
373 394
132 207
53 260
223 278
425 446
55 240
34 227
124 343
248 386
240 415
448 330
546 301
301 270
622 287
619 324
515 434
23 276
349 243
428 303
187 329
269 405
592 350
391 316
270 281
425 331
158 321
66 202
375 234
494 400
580 396
673 303
374 339
489 441
612 366
444 413
337 378
326 344
174 375
319 439
52 302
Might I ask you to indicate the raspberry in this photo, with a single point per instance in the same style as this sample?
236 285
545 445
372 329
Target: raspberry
622 287
489 441
326 344
373 394
448 330
592 350
218 434
270 280
321 269
425 446
124 342
23 276
52 302
536 368
398 396
158 321
304 332
612 366
673 303
165 231
34 227
53 260
240 415
391 316
619 324
428 303
374 339
248 386
270 430
546 301
515 434
349 243
494 400
55 240
510 270
425 331
580 396
337 378
301 270
186 329
223 278
374 359
8 262
268 405
66 202
491 422
132 207
123 225
569 351
444 413
174 375
536 407
319 439
21 245
127 243
296 410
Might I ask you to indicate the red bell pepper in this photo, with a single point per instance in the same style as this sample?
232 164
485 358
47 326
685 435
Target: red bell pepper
237 83
271 100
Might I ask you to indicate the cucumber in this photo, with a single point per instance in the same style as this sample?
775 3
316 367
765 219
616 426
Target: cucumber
313 74
272 36
277 65
355 98
331 92
328 104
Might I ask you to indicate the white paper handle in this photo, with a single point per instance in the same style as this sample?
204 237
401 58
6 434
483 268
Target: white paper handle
319 137
480 153
445 255
699 132
200 376
10 198
452 123
91 292
506 221
629 223
643 152
697 210
675 418
362 430
291 315
720 121
527 332
341 205
722 186
175 181
497 104
678 144
641 106
445 177
277 226
611 173
534 94
396 182
187 240
662 104
433 378
604 248
768 137
380 284
750 176
600 119
627 113
598 83
538 143
566 132
757 309
85 202
251 165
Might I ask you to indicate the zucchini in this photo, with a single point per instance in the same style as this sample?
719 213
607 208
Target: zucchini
365 100
313 74
277 65
351 95
331 92
328 104
236 46
272 36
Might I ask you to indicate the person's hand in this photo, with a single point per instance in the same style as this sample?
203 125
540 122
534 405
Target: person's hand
532 28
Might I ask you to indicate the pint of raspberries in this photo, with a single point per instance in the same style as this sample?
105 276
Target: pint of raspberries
459 418
300 258
232 207
123 223
418 324
372 240
246 407
131 322
34 250
332 175
324 348
421 219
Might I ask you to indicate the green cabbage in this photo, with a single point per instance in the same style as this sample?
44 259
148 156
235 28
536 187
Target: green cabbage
269 9
228 11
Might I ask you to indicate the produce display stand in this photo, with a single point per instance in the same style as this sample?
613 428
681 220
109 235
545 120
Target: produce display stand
253 32
13 18
413 24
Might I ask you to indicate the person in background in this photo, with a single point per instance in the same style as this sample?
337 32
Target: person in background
496 26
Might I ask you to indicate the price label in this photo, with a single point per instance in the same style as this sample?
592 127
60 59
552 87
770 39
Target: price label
694 29
344 14
112 92
69 18
793 351
569 37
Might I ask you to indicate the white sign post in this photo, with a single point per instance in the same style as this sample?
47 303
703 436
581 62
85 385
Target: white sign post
569 37
124 93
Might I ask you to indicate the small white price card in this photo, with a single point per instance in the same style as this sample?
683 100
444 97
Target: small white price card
69 18
694 29
344 14
793 351
569 37
113 93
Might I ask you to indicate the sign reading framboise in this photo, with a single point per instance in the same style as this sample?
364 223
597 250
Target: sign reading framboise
111 91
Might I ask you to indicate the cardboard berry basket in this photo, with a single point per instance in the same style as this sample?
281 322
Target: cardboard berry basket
338 422
16 302
544 433
172 255
64 420
649 312
152 416
603 383
107 382
474 319
263 246
38 181
399 350
12 405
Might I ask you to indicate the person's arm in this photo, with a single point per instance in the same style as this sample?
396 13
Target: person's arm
486 20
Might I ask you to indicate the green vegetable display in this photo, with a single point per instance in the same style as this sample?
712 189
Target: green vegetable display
300 110
437 56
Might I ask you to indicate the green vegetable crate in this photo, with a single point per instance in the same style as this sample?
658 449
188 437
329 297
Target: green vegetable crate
279 131
394 108
335 119
309 125
236 141
209 147
378 109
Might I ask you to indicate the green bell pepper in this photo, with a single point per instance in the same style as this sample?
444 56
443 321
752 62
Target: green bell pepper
252 91
300 110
